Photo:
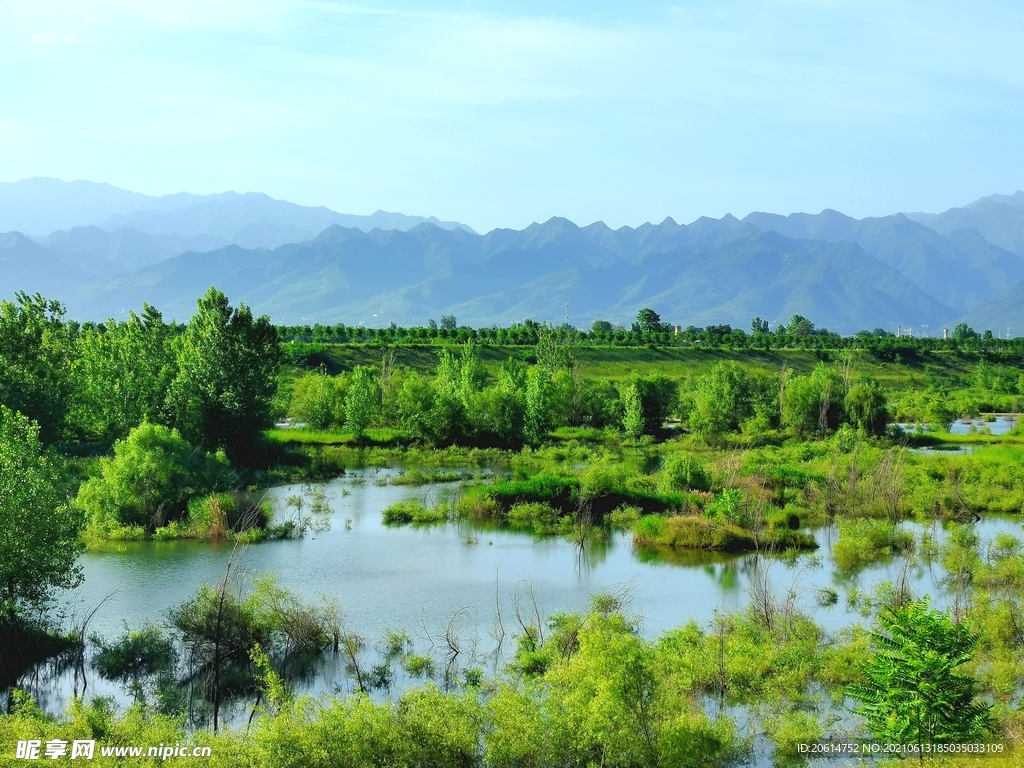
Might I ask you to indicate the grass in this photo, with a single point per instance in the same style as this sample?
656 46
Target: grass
373 437
692 532
617 363
418 476
567 494
862 542
413 511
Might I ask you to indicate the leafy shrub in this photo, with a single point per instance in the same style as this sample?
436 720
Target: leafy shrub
477 506
912 690
542 517
682 472
150 479
418 665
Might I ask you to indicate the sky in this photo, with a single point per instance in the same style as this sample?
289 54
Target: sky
500 114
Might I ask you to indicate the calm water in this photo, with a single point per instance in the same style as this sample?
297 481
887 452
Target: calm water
999 425
418 578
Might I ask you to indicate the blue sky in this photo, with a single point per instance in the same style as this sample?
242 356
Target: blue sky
499 114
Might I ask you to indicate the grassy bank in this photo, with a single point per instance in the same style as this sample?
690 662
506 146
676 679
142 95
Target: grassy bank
950 369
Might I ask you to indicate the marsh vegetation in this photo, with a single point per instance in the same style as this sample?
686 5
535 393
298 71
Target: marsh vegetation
765 470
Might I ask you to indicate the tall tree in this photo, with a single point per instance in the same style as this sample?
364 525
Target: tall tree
539 394
800 326
655 395
227 366
35 353
647 321
38 529
361 400
633 411
865 406
124 371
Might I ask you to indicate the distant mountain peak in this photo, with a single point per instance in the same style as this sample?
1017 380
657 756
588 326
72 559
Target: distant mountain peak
40 206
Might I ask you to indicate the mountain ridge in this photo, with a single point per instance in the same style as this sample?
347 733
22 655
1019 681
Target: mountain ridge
844 273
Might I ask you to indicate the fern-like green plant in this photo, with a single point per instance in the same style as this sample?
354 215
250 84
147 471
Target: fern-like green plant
911 691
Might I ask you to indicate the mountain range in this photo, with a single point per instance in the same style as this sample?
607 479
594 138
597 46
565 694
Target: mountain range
104 251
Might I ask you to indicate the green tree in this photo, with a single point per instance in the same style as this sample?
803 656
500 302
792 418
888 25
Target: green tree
498 413
647 321
865 406
721 400
657 396
362 399
39 531
150 479
447 421
601 326
227 365
757 325
35 354
123 371
800 326
962 331
539 401
414 401
448 322
939 412
319 400
813 404
632 411
912 691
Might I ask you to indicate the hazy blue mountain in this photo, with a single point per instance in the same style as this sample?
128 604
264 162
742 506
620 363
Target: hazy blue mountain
998 218
311 264
713 270
997 316
126 246
962 270
40 206
27 266
255 220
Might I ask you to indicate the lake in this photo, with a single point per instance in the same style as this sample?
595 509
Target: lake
419 578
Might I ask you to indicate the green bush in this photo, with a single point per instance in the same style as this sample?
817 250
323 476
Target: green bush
682 472
150 480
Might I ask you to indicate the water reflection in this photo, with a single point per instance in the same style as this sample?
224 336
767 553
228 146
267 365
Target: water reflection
993 425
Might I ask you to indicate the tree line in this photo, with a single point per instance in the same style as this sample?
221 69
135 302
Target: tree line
213 379
461 404
648 329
